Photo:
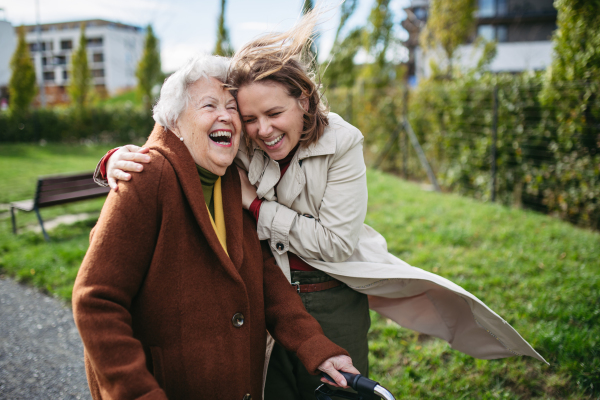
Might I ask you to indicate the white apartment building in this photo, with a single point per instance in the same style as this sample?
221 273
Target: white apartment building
8 44
114 50
522 29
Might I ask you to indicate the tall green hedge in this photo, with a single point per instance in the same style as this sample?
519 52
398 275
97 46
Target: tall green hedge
453 120
104 124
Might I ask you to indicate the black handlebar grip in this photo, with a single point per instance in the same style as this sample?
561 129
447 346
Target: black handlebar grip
356 382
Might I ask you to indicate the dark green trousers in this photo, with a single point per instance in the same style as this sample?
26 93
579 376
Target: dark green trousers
344 316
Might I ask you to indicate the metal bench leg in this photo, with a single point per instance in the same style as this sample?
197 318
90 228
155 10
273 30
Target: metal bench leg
37 212
14 221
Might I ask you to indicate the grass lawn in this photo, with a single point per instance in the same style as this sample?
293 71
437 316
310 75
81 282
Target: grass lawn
540 274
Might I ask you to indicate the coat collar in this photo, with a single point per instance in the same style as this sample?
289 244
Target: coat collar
266 172
166 143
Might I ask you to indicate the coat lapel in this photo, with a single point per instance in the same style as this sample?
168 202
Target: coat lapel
232 208
180 158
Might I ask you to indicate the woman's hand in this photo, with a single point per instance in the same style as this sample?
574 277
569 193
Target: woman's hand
125 159
334 364
248 190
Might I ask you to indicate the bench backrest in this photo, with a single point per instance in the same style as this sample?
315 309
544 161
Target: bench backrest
54 190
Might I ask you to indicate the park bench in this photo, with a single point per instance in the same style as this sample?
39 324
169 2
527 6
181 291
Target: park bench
55 190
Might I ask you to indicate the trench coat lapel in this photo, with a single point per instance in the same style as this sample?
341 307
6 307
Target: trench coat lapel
180 158
264 173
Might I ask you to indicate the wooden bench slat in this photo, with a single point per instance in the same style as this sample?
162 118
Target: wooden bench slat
53 179
70 197
74 183
43 195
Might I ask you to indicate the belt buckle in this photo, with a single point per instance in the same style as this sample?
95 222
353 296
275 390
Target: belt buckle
297 285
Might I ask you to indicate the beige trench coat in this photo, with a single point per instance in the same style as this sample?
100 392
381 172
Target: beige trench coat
318 214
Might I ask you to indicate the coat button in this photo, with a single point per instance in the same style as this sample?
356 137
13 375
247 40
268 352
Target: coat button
279 246
248 396
238 320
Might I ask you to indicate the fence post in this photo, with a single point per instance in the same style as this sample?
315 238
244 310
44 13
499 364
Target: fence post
494 141
404 137
415 142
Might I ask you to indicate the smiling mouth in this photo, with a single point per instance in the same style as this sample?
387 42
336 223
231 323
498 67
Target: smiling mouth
275 141
222 138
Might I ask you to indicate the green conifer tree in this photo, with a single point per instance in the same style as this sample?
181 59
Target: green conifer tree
223 46
449 25
80 84
22 86
149 73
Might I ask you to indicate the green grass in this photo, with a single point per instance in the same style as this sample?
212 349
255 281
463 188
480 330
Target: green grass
541 274
130 98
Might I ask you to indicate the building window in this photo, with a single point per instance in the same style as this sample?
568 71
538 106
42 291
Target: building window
94 42
65 75
486 32
98 57
98 73
60 60
45 46
44 61
502 33
493 32
66 44
492 8
420 13
49 75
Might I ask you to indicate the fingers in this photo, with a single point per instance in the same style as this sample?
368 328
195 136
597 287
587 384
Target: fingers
113 184
350 368
334 374
134 148
119 175
127 166
135 157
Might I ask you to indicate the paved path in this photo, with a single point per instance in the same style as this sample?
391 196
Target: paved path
41 356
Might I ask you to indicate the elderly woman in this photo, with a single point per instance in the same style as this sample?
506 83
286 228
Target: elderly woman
176 293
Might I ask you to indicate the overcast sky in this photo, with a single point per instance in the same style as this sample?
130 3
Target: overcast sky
186 27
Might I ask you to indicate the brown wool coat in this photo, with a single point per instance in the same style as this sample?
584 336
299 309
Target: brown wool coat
156 293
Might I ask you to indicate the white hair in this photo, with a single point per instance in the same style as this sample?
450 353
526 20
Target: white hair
174 95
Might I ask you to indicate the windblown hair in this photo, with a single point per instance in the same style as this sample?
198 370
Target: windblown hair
174 95
285 58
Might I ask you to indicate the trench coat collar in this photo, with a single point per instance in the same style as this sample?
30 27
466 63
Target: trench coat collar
267 171
180 158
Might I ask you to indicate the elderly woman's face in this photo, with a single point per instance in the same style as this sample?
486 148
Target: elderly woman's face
210 126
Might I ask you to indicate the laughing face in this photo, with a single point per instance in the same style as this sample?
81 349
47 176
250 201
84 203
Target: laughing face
210 126
272 118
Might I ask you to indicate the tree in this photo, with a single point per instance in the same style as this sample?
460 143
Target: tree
80 85
149 73
571 90
223 46
449 25
340 70
22 86
378 37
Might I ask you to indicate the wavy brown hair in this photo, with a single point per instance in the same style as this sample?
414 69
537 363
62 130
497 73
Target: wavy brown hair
285 58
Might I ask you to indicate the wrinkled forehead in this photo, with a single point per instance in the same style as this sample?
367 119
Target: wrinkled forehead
211 87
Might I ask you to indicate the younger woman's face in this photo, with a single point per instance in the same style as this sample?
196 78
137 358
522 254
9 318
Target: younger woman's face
271 117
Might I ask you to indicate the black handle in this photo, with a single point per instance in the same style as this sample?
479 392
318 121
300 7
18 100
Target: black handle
356 382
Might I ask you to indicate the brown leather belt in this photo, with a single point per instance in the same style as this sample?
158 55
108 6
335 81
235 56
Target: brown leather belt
316 287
